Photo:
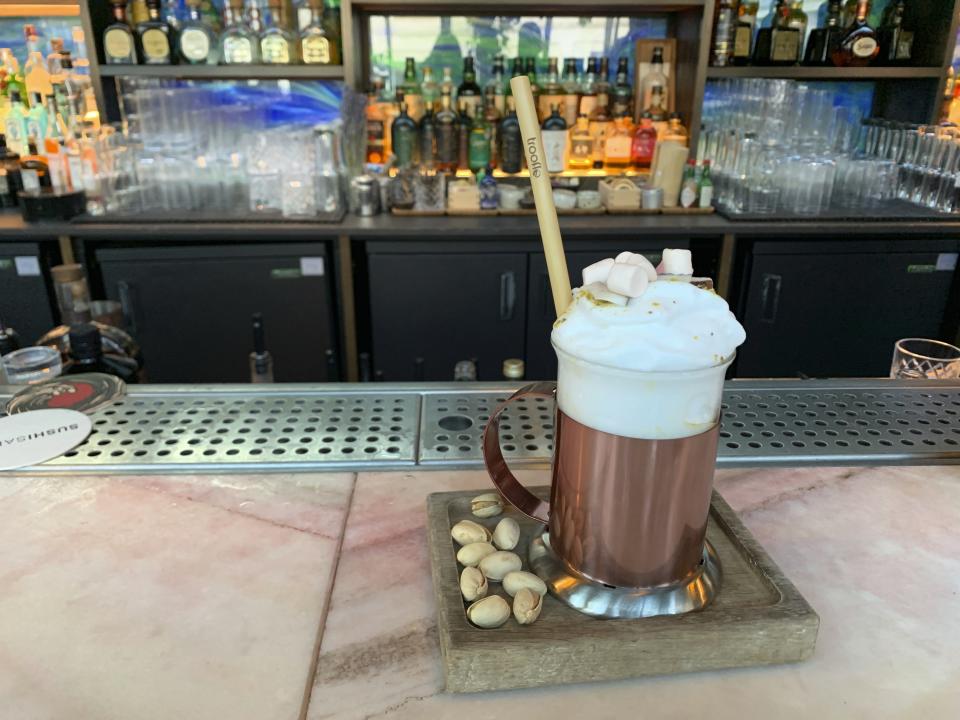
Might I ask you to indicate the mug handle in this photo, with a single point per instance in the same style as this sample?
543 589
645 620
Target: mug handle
511 489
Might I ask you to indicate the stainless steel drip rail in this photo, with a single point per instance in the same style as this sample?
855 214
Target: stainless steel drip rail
300 427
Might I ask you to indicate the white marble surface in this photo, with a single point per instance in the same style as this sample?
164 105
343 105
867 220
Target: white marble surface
874 551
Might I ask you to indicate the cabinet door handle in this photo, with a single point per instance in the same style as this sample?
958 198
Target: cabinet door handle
508 295
770 297
125 292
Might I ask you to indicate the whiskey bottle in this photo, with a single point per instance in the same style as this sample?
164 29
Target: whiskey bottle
34 171
797 20
404 138
511 143
785 40
428 140
448 129
478 153
723 33
588 89
655 87
570 107
118 45
238 43
581 145
599 126
495 90
469 93
446 82
411 90
554 132
859 45
429 90
316 47
463 138
530 68
743 34
551 93
622 92
196 41
278 46
603 81
823 41
616 152
896 42
155 37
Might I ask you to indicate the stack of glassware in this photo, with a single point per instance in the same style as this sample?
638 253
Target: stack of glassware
779 147
182 150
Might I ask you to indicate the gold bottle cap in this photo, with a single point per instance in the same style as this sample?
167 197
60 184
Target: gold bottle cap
513 368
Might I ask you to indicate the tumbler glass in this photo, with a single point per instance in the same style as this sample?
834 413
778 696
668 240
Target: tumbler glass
922 359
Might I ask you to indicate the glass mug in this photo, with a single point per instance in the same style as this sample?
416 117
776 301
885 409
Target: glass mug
632 472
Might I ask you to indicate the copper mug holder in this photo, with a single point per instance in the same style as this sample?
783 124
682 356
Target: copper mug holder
627 517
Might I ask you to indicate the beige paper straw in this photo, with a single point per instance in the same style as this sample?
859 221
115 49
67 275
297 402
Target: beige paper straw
542 193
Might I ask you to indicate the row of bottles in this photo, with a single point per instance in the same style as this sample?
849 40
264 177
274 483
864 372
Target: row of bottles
845 39
249 35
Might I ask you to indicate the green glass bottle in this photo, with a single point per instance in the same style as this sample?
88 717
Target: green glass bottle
403 134
479 143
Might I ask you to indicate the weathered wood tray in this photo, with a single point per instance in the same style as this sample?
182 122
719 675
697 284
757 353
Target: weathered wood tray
759 618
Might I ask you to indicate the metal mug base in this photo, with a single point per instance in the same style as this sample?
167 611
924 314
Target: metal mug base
605 601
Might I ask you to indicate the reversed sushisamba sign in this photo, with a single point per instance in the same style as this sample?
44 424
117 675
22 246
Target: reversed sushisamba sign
34 437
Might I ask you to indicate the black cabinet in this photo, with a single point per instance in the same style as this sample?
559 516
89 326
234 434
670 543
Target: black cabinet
190 308
430 310
835 308
25 303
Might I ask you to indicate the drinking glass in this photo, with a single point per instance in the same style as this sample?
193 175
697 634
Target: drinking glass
923 359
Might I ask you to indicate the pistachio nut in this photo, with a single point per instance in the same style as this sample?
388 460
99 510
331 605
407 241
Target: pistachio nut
497 564
471 555
527 605
490 612
467 531
473 584
486 505
506 534
514 582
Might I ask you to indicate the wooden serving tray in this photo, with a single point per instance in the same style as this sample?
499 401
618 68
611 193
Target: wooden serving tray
758 618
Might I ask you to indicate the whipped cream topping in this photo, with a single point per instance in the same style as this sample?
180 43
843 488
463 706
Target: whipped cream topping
673 326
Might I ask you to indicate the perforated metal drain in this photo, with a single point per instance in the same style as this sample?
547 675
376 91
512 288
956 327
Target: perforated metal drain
186 430
452 425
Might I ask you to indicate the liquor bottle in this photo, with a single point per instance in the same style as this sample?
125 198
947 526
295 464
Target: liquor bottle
588 89
155 37
785 40
331 25
35 75
463 139
848 14
15 124
617 148
495 89
797 19
10 181
56 157
644 143
448 135
428 139
655 99
278 46
603 81
87 355
37 118
446 82
570 107
896 42
254 18
622 92
511 143
138 12
581 145
429 90
34 171
492 118
238 42
79 90
743 34
554 132
60 92
706 186
859 45
469 93
411 90
551 92
724 28
404 138
316 45
478 154
118 45
376 123
196 41
689 186
599 124
824 40
675 131
530 68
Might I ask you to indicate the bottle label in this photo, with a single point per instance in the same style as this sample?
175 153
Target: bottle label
194 44
479 150
644 146
511 151
786 44
315 50
403 144
581 150
275 49
554 146
569 108
156 46
741 41
117 45
599 132
864 47
621 105
30 179
904 45
688 196
237 50
447 139
588 103
706 196
617 149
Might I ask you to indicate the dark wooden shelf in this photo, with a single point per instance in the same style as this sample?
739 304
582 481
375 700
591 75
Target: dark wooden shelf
226 72
802 72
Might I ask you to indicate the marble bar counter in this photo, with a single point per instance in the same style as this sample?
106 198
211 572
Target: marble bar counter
285 596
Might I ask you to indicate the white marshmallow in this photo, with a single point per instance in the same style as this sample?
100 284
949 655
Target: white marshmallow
676 262
629 280
597 273
601 292
629 258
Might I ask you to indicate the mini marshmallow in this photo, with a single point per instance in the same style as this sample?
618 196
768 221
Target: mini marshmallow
676 262
601 292
598 272
629 258
629 280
